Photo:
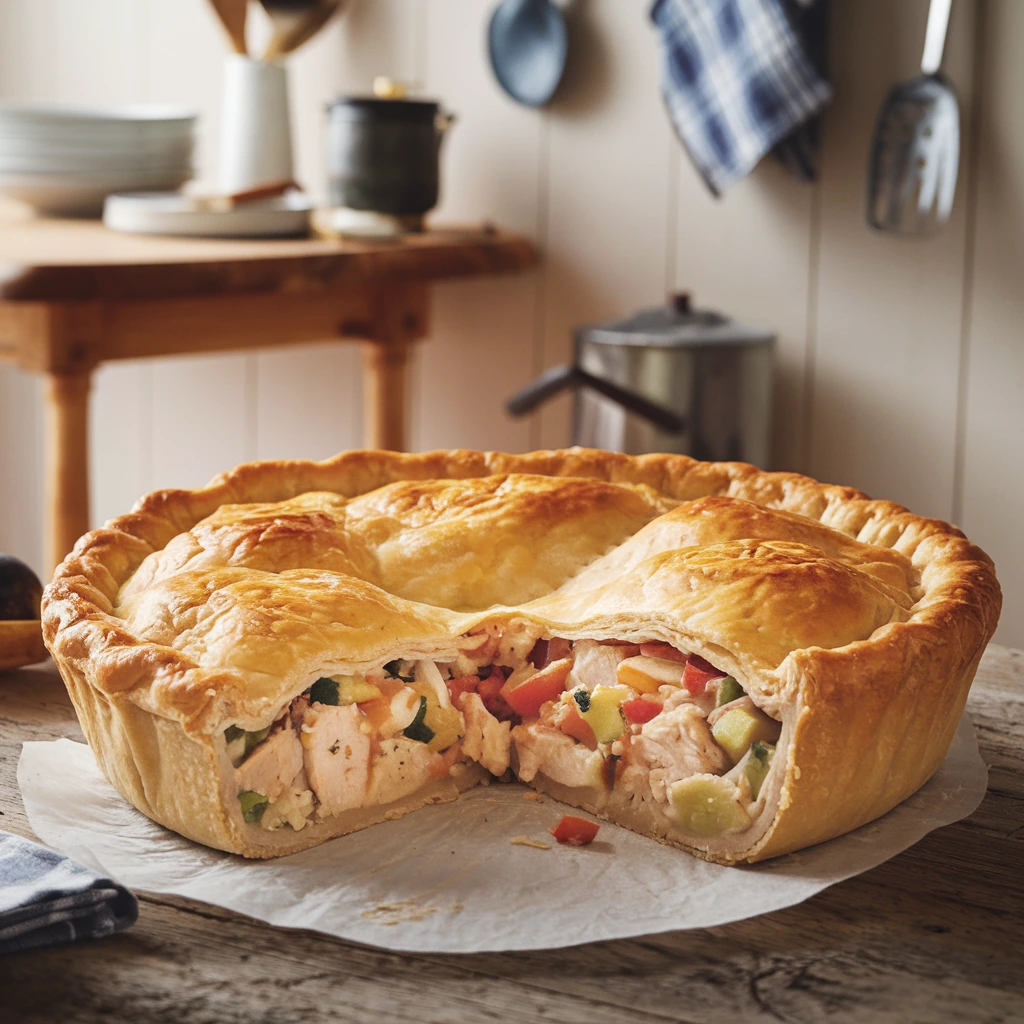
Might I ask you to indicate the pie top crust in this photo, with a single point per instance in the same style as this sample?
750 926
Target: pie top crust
857 622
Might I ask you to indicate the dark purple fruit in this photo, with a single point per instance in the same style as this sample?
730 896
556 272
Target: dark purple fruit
20 590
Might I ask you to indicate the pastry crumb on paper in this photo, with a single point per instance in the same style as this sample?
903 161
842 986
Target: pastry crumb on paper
534 797
399 912
537 844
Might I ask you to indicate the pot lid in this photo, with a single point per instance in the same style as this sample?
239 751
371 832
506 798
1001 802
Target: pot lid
390 102
373 108
675 325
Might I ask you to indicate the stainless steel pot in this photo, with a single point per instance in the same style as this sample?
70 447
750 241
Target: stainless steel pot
669 379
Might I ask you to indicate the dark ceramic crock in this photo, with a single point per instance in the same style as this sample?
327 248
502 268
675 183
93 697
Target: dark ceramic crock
382 154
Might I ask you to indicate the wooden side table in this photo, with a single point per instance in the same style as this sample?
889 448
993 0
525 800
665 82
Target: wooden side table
74 295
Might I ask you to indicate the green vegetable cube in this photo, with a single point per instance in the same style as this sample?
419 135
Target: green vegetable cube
738 728
708 805
324 691
253 805
728 691
757 764
417 729
604 714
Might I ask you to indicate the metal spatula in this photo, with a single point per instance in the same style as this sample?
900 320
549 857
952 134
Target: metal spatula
915 152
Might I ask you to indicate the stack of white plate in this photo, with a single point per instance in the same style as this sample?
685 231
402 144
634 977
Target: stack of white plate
66 161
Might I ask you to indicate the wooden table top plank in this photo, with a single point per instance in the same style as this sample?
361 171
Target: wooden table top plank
76 261
933 934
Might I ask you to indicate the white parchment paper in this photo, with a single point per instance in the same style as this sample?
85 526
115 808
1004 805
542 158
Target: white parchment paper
447 879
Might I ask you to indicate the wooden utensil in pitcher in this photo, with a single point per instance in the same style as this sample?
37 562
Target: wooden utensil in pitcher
295 22
231 14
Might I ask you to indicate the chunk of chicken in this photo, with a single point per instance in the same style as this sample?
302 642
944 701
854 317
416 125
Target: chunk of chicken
272 765
337 756
560 758
597 664
674 745
401 767
487 740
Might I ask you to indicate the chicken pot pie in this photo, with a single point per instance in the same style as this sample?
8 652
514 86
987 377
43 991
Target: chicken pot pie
736 662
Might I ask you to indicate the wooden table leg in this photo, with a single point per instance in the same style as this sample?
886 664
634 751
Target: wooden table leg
385 393
67 462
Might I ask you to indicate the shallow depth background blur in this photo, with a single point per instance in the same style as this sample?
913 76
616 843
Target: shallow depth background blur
900 363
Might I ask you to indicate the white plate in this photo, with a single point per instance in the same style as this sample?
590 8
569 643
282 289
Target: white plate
153 214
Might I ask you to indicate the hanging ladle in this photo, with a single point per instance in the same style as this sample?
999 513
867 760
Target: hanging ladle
527 42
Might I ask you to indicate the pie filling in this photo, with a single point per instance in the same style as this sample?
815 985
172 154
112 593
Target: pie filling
599 716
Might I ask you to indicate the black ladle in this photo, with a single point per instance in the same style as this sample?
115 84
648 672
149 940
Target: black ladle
527 42
550 383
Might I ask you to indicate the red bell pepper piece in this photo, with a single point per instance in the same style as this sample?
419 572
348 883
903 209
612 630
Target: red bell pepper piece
697 674
656 649
526 698
638 710
571 831
490 693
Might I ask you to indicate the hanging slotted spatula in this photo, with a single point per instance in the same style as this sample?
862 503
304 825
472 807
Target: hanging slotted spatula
915 152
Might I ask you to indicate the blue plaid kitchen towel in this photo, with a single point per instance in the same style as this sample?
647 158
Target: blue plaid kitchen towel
47 899
738 82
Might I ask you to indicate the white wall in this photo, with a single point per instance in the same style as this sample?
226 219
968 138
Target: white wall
901 364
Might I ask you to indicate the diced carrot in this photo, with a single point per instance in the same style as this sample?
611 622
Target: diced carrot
572 831
573 725
464 684
638 710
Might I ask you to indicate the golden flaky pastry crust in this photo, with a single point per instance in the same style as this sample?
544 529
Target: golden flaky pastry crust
855 622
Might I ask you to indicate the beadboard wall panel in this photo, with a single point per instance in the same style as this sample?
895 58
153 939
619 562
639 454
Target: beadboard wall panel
607 190
749 252
991 483
482 332
889 310
900 364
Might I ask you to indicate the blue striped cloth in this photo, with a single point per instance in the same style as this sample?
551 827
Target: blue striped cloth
738 82
47 899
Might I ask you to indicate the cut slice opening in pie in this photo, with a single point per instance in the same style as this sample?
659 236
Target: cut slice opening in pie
736 662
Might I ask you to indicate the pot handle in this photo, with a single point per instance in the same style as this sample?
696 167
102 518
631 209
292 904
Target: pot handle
560 378
443 120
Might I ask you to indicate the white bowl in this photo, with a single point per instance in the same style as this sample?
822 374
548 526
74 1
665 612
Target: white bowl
33 117
82 195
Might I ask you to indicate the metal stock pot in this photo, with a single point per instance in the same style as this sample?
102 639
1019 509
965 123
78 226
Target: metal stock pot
670 379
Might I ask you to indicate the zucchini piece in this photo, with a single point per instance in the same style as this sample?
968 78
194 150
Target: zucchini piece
253 805
728 691
738 728
757 765
254 738
708 805
324 691
417 729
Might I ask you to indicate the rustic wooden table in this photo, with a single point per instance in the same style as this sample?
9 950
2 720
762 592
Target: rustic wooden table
936 934
74 295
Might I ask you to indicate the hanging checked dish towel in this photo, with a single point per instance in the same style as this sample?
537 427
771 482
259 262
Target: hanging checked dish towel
47 899
739 80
